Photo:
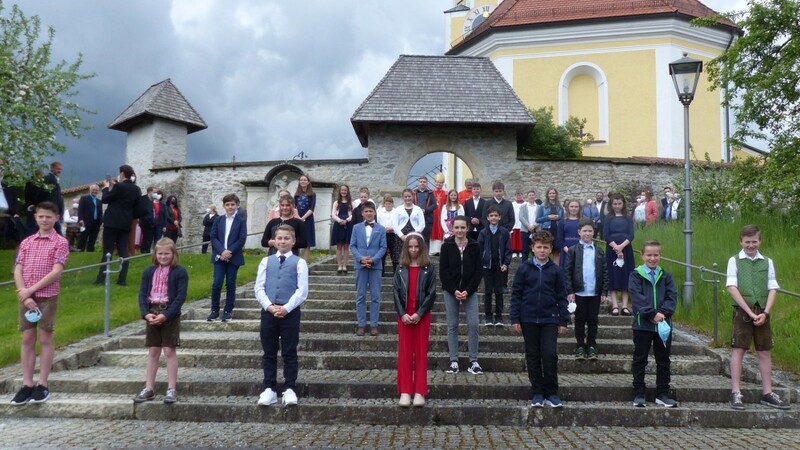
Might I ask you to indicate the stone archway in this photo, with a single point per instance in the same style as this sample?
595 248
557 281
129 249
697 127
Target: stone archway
454 169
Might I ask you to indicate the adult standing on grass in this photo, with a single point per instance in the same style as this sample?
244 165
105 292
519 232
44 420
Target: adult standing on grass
37 274
753 287
121 197
53 182
174 219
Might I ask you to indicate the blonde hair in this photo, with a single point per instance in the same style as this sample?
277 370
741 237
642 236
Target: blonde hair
423 259
166 243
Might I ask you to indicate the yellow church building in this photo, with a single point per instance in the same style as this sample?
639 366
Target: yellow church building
605 61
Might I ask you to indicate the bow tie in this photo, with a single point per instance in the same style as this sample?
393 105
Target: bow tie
370 224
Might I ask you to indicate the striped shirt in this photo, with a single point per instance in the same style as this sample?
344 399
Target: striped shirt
158 291
38 255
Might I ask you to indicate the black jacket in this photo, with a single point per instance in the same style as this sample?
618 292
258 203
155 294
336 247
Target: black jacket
121 198
507 217
460 273
177 284
574 270
426 290
539 295
55 192
86 210
475 213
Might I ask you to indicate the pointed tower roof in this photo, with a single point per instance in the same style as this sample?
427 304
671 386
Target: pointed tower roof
537 13
162 100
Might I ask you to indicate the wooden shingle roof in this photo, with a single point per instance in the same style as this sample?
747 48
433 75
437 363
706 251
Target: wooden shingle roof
162 100
534 13
442 90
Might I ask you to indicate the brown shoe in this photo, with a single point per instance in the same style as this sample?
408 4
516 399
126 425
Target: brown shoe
360 331
373 331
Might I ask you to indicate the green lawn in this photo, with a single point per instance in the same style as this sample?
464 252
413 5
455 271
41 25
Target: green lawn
81 303
716 242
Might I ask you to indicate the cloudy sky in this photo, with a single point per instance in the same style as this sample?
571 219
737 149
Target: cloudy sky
270 78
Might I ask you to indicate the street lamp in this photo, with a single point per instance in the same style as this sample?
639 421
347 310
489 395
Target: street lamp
685 74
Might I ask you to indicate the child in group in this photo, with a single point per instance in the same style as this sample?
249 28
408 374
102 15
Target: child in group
363 197
587 285
495 246
516 233
281 287
753 287
568 230
414 288
654 298
161 296
287 216
549 216
450 209
306 200
386 217
539 312
368 245
228 236
342 216
40 260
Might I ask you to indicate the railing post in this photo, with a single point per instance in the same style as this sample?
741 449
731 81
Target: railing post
716 302
107 312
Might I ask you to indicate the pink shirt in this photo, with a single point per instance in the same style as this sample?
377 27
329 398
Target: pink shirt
37 255
158 291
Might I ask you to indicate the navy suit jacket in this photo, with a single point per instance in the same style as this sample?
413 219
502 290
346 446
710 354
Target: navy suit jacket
472 213
376 248
236 239
86 210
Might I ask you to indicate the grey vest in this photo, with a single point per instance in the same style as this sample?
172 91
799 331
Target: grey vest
281 280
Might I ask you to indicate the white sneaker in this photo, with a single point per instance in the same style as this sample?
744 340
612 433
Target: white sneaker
268 397
289 397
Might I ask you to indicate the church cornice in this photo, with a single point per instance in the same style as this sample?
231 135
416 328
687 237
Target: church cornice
247 164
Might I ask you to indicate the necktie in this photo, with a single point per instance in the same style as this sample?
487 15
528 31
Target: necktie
94 202
653 276
282 258
587 247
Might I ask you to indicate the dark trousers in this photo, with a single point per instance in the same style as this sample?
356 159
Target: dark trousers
526 244
493 281
393 247
148 233
642 341
541 357
206 239
114 238
284 332
89 237
228 272
588 308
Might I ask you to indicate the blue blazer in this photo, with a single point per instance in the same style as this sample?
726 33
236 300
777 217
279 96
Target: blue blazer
236 239
376 248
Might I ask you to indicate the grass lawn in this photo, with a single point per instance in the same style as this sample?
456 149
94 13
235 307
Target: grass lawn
81 303
716 242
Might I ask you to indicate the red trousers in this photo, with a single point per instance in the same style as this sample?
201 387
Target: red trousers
412 356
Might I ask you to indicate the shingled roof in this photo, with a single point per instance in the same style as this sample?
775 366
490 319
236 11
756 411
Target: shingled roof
535 13
162 100
460 90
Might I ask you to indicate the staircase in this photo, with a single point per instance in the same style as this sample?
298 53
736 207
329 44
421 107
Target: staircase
345 379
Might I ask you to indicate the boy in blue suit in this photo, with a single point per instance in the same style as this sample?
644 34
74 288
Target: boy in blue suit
228 235
368 245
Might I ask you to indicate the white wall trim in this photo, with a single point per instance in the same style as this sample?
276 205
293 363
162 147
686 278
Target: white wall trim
601 81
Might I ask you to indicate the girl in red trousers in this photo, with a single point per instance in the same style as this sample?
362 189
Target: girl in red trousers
414 289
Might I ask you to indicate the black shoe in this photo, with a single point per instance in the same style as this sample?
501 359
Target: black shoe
639 401
121 283
99 282
40 394
227 316
23 396
213 316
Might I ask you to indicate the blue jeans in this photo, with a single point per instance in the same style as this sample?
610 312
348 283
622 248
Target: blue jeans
227 271
452 308
371 278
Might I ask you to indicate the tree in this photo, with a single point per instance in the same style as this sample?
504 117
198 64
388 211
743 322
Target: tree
761 69
556 141
35 105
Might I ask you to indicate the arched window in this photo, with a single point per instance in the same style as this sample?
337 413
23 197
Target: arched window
583 93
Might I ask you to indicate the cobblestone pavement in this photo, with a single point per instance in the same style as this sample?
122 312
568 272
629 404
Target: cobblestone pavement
78 433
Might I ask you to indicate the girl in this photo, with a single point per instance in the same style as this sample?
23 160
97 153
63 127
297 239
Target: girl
651 213
161 295
286 216
516 231
386 218
174 219
568 229
407 219
342 216
618 233
450 209
549 215
276 211
208 222
414 288
306 200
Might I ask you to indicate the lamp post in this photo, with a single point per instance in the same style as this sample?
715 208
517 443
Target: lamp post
685 74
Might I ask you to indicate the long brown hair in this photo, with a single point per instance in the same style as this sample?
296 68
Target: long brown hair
309 190
449 204
423 259
348 199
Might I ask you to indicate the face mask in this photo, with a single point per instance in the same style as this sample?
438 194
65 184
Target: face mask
74 205
572 307
154 196
208 210
589 201
133 179
663 331
158 196
619 262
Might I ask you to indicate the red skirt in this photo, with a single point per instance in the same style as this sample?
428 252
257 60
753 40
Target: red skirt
437 233
516 241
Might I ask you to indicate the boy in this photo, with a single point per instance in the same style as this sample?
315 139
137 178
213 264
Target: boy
495 244
587 286
281 287
37 273
363 197
228 235
474 209
368 245
753 287
506 208
654 297
539 312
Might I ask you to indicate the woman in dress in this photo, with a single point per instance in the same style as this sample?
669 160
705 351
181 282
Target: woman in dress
549 215
568 229
618 233
285 217
409 217
306 201
173 228
414 288
342 216
450 209
387 220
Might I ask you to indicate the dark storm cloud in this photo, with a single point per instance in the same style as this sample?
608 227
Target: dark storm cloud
271 78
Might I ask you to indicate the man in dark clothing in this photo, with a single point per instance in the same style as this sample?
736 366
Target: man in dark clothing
424 198
147 223
121 198
90 217
34 194
53 183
